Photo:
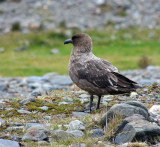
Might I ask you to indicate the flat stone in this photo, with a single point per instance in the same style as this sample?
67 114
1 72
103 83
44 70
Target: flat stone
97 133
63 103
61 134
155 109
16 123
26 101
3 87
15 137
61 80
132 144
2 122
48 117
36 133
15 128
83 96
76 133
38 92
54 51
23 111
8 143
133 94
23 48
28 125
2 50
126 135
76 125
44 108
79 114
78 145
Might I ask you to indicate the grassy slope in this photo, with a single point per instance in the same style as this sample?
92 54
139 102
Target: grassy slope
123 52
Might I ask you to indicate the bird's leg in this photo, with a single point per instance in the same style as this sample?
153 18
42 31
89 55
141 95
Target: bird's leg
90 105
99 100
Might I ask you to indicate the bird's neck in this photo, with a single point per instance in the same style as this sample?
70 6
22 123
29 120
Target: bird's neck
77 56
77 51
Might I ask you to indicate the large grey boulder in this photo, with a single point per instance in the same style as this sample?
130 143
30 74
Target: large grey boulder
61 134
37 133
136 128
8 143
125 110
76 125
76 133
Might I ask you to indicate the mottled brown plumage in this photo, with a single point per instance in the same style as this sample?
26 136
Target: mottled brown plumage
95 75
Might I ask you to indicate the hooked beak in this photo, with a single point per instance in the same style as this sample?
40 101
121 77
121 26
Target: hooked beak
68 41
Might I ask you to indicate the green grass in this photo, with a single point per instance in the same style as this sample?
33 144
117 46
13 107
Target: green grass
123 52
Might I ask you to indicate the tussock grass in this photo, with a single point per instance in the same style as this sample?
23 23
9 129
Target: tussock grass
112 126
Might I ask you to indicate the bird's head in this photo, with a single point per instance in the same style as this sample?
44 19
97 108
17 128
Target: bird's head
81 42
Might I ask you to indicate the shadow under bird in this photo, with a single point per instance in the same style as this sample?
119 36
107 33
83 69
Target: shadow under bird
95 75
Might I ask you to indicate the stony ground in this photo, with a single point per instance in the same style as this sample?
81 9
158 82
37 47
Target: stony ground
39 14
53 118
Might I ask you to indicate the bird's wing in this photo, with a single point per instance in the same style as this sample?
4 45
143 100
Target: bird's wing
102 75
109 66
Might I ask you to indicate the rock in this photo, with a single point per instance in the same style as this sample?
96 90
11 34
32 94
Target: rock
133 144
23 111
38 92
147 82
23 48
61 134
49 76
3 87
135 128
133 94
54 51
15 128
76 125
127 135
60 126
97 133
44 108
137 104
155 109
16 123
99 2
83 96
36 133
61 80
67 99
150 67
34 79
8 143
34 86
78 145
48 117
28 125
2 122
15 138
2 50
79 114
64 103
76 133
68 33
125 110
26 101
